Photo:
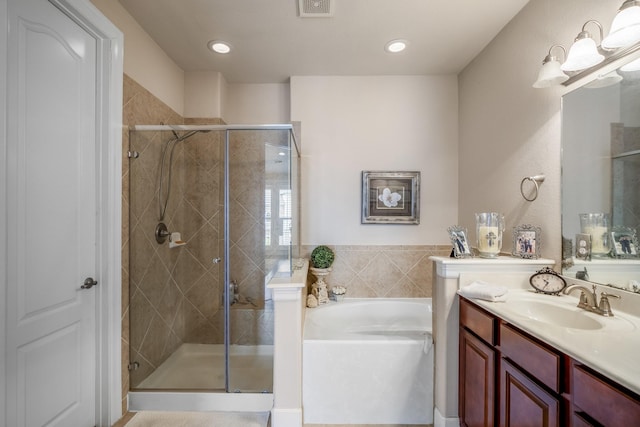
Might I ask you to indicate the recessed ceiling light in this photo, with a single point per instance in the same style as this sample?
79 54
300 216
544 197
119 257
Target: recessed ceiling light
395 46
219 46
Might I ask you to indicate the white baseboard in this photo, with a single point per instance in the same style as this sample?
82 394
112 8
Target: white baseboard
440 421
286 417
187 401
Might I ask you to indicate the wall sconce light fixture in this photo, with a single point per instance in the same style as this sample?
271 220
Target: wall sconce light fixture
631 66
625 28
585 56
550 74
584 51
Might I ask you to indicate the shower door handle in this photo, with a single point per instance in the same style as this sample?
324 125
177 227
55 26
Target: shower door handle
89 283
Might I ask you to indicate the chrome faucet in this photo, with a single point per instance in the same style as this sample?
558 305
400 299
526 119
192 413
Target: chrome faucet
589 300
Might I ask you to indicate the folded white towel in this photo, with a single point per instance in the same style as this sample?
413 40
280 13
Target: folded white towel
485 291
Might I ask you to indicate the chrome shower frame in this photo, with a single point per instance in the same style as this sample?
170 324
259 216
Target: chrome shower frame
211 400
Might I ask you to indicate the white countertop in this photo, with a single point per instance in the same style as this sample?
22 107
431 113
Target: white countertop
613 348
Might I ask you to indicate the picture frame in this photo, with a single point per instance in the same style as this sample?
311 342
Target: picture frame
460 242
583 246
624 242
390 197
526 241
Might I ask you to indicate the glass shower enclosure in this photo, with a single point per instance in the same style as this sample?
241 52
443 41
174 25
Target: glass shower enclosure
213 217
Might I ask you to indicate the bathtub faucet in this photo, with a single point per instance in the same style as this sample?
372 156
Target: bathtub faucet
234 292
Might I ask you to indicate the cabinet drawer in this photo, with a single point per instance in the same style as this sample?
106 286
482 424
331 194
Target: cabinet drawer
538 360
602 401
477 321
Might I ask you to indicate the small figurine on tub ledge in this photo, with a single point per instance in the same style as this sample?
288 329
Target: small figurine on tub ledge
312 301
338 293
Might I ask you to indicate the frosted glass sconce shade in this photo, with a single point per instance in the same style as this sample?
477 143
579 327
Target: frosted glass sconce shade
550 74
584 52
625 28
631 66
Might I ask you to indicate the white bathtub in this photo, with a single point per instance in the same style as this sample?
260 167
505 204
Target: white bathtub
368 361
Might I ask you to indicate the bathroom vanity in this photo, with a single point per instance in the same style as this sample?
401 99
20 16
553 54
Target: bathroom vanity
516 371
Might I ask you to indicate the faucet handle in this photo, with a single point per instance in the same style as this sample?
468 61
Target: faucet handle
583 298
604 307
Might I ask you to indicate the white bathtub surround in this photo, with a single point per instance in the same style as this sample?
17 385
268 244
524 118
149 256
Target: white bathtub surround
450 274
368 361
287 341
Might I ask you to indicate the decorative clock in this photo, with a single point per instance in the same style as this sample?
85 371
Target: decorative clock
547 281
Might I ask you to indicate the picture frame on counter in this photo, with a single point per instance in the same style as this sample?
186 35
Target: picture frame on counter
526 241
460 242
624 242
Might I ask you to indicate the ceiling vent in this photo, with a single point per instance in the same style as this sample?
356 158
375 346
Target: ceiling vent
316 8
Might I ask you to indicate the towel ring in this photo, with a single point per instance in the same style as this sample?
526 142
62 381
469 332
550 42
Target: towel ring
537 180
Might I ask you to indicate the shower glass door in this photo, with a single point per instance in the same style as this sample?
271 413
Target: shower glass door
259 245
176 310
213 215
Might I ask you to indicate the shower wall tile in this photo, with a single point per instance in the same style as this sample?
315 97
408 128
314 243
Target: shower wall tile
139 107
382 271
176 294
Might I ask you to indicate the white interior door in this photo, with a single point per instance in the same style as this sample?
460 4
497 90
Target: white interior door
52 201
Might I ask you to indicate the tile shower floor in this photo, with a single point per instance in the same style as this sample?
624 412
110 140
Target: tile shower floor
201 366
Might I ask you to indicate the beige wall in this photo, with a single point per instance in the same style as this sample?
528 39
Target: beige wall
257 103
144 61
387 123
509 130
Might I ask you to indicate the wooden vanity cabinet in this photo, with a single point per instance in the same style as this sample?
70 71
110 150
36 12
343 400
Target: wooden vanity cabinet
509 379
496 385
523 402
477 367
477 381
599 401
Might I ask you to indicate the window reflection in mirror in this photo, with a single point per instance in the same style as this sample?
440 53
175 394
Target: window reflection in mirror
601 174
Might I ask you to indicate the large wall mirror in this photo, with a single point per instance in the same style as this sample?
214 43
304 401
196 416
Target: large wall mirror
601 177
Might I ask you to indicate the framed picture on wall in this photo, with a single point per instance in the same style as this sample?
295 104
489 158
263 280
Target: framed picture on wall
390 197
526 241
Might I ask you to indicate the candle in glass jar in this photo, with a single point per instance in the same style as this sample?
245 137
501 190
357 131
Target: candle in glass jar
488 239
598 239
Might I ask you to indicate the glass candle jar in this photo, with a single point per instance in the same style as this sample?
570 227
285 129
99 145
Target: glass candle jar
597 226
489 229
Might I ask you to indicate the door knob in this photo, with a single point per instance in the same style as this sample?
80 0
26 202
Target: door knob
89 283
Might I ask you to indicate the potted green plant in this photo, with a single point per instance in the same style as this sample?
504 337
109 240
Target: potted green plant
321 259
